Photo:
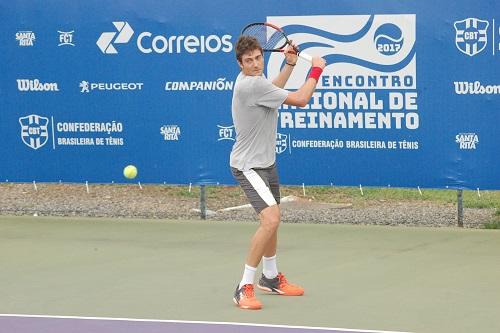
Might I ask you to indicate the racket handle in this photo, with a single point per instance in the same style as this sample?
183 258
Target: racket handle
305 56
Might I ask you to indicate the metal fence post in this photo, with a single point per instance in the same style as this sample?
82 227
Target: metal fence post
203 203
460 208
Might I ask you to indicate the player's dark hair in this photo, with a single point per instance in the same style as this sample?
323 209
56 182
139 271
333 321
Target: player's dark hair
246 44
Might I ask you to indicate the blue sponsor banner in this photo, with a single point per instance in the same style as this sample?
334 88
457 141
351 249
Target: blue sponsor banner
410 96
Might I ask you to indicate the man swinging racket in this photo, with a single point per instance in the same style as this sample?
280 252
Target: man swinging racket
253 158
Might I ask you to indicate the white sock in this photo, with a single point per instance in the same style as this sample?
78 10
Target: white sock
270 269
248 275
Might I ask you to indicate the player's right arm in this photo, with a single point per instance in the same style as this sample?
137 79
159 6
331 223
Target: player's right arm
302 96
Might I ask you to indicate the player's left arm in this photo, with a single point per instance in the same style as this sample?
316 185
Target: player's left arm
290 61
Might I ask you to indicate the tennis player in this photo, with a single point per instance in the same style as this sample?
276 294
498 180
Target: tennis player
253 159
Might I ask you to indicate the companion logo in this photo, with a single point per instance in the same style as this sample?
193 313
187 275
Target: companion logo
467 141
25 38
105 41
147 42
170 132
35 85
471 37
220 84
34 130
281 143
66 38
226 133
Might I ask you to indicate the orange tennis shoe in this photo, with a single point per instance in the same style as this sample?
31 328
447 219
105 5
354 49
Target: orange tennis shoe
280 285
245 298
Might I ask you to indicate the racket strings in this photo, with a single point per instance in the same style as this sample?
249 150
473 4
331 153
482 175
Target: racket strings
268 37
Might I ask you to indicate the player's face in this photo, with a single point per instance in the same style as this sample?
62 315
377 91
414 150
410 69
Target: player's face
252 63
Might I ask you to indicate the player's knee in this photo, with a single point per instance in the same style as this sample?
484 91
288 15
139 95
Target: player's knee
271 218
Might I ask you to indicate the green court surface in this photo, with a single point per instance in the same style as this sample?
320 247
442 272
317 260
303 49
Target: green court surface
360 277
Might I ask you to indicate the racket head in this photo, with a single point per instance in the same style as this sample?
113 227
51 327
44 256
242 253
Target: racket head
271 37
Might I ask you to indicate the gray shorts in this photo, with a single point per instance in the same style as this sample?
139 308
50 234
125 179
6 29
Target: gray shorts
261 186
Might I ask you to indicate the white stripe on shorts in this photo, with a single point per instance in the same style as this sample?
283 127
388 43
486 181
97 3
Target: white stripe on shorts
260 187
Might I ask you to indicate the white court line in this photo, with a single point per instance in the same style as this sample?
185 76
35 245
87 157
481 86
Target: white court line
197 322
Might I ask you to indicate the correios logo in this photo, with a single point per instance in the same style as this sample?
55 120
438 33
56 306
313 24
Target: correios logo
147 42
105 41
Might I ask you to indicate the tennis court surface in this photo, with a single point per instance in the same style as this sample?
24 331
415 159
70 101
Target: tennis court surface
119 275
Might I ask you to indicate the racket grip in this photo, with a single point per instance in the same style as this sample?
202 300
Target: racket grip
305 56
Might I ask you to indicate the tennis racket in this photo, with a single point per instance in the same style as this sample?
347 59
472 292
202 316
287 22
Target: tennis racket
272 38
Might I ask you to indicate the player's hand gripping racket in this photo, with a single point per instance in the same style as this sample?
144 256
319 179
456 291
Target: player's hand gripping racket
271 38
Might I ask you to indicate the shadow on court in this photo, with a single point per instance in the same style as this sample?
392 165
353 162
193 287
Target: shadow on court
355 277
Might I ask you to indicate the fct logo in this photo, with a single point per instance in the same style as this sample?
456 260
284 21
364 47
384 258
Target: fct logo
226 133
105 41
34 130
471 36
66 38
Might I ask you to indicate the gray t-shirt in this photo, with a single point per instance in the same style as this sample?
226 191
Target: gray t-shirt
255 116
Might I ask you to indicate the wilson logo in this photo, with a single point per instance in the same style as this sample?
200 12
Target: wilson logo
36 85
475 88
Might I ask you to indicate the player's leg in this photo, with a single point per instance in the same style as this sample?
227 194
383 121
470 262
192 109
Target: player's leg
271 280
256 188
269 261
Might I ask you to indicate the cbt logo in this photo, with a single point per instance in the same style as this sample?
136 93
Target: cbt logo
281 143
471 36
147 42
34 130
226 133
